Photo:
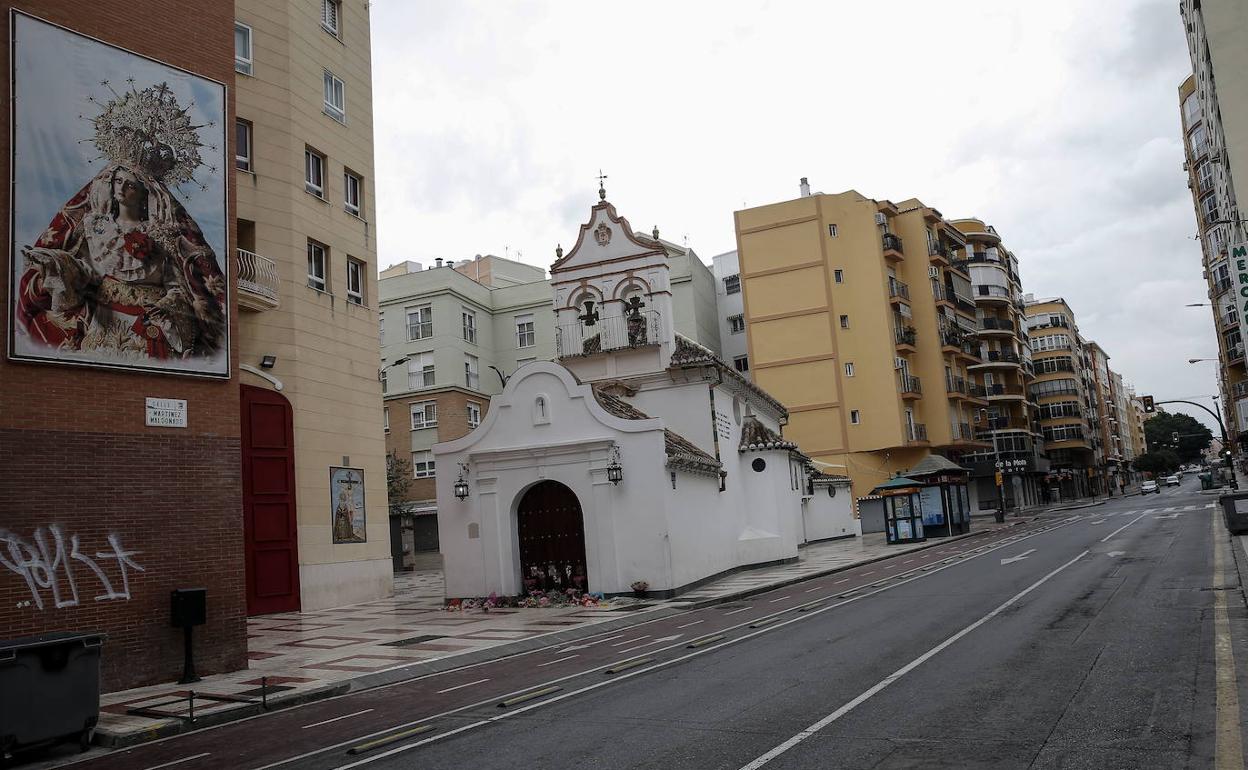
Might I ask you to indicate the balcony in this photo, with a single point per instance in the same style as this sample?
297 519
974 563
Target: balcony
1223 284
1228 320
892 247
1002 390
938 253
989 294
905 336
955 386
259 286
898 291
916 433
909 386
941 294
962 433
996 325
612 333
1235 354
1000 359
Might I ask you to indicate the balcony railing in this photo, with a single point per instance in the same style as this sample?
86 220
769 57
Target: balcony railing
955 384
892 243
916 432
1229 319
898 289
977 391
612 333
1222 285
907 383
997 292
905 335
1002 389
996 324
1239 390
938 250
1002 356
259 284
962 432
1235 353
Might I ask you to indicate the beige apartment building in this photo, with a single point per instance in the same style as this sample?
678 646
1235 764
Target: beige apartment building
317 532
864 325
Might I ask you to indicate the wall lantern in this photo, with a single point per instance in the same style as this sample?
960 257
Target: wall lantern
615 473
268 362
461 485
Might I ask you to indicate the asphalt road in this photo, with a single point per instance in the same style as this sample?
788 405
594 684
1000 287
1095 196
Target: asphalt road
1083 640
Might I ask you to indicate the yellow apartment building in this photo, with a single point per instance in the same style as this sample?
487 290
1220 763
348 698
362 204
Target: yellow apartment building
317 533
862 323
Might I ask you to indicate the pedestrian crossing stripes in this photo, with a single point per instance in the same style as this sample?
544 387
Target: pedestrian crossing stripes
1171 509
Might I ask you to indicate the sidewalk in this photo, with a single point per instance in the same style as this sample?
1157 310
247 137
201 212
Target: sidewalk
298 657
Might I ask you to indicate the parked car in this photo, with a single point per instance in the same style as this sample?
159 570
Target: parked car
1171 481
1149 487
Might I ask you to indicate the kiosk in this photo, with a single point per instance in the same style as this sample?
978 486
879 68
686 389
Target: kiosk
903 510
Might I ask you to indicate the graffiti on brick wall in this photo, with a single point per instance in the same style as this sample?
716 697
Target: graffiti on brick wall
46 561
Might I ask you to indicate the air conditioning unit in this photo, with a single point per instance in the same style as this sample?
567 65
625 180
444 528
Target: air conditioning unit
933 271
899 362
1185 166
880 218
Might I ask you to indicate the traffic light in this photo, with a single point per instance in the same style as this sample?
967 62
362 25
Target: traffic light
1148 404
1174 437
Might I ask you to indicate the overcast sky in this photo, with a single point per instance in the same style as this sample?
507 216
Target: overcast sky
1057 122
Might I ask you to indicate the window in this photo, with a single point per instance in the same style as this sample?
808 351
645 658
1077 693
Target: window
474 415
854 417
384 381
526 337
385 419
419 322
424 415
844 322
1204 175
352 187
1191 110
242 145
314 172
472 375
355 281
242 48
849 370
335 98
1209 207
317 258
470 325
736 324
330 10
381 328
1197 141
741 363
422 465
831 231
732 284
1050 342
420 371
839 276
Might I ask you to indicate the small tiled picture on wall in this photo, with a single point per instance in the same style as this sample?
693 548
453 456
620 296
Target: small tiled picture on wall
346 498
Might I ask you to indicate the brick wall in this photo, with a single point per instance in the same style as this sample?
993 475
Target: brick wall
76 458
452 424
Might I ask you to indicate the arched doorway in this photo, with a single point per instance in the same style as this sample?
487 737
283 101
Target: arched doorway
551 532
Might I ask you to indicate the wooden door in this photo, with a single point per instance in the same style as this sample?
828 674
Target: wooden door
552 539
269 514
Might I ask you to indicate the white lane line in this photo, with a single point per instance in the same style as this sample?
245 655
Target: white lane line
869 572
808 590
557 660
630 641
842 580
1124 526
179 761
335 719
694 623
778 599
734 612
899 673
462 686
907 561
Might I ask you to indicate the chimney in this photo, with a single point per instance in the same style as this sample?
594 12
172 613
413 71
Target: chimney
439 261
805 188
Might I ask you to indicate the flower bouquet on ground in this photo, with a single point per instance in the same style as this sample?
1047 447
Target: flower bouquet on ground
639 588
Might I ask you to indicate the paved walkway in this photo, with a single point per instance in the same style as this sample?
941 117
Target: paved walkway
303 656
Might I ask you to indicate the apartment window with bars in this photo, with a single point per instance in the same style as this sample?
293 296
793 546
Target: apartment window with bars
331 11
424 415
242 145
314 172
242 48
385 419
838 275
335 97
384 381
355 281
736 324
419 322
849 370
526 337
474 415
732 284
420 373
470 325
318 256
352 193
472 374
855 417
423 465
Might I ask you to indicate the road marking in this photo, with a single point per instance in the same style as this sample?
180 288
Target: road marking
778 599
704 641
808 590
627 664
694 623
528 696
572 647
1228 751
1168 516
363 747
899 673
634 639
660 640
1124 526
868 572
335 719
1102 521
557 660
734 612
179 761
842 580
765 621
1116 554
462 686
1020 557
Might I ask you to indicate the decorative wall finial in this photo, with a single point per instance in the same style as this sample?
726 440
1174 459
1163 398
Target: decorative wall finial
602 190
655 232
558 251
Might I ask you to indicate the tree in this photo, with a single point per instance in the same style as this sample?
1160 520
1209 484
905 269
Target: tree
1194 437
398 480
1161 462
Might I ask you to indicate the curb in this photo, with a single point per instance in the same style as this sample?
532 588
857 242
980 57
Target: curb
104 737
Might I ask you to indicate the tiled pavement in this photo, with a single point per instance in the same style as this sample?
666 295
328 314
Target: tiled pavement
300 655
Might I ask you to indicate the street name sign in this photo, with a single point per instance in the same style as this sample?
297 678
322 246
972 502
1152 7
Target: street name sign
166 412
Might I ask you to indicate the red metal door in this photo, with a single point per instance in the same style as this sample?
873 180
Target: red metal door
552 539
269 514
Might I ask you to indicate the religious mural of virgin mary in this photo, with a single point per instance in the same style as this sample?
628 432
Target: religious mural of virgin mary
122 274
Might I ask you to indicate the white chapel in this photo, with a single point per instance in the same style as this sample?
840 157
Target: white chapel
637 456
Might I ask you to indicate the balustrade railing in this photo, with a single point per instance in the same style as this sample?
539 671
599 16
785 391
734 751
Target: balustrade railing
258 275
611 333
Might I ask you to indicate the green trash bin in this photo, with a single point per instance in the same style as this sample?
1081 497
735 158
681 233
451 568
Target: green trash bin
49 690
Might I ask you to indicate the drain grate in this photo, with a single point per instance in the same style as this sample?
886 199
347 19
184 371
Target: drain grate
413 640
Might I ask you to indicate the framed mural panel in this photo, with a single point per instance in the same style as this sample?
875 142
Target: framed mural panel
346 499
119 217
